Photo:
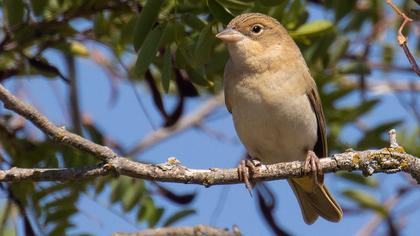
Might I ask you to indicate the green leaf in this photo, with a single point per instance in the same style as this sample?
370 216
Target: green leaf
358 178
271 3
366 201
355 68
148 51
146 208
15 10
203 47
133 195
219 12
313 28
145 21
167 69
193 21
155 216
38 6
198 77
236 4
119 188
340 49
178 216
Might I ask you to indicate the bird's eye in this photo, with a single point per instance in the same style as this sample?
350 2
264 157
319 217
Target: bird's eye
257 29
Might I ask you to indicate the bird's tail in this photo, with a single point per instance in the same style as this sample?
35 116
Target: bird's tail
315 200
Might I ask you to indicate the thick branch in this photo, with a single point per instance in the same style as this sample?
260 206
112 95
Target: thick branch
185 231
389 160
59 134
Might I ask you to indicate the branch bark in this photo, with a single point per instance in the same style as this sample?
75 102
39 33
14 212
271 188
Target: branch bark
387 160
185 231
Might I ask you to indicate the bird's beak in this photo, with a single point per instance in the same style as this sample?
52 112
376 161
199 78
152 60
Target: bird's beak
230 36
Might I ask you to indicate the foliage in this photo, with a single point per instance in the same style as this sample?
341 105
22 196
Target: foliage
172 49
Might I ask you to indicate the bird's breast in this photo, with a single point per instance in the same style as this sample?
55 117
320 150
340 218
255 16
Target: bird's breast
273 118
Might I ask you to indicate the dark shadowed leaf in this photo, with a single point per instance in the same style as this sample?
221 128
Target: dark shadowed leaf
179 215
167 69
176 198
219 12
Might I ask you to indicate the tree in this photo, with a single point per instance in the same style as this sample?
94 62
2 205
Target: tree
166 51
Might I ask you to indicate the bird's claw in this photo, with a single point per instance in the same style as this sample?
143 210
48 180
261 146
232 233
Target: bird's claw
246 169
313 165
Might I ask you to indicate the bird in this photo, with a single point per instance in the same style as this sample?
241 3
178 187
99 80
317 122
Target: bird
276 107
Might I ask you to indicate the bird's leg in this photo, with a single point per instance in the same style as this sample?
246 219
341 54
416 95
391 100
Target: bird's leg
313 165
246 169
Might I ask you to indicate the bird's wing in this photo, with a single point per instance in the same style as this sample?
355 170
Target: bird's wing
226 76
321 146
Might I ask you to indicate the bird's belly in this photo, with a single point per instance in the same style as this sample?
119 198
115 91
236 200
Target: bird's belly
275 130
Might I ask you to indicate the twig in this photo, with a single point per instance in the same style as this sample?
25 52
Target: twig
185 231
402 40
387 160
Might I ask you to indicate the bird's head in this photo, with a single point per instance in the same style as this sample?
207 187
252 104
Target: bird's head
254 38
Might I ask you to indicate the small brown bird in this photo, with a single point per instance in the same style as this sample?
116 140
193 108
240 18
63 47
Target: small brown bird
276 107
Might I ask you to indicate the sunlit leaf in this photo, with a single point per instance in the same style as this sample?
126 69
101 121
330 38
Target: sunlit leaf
313 28
145 21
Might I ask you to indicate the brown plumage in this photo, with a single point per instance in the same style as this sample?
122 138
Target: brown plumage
275 104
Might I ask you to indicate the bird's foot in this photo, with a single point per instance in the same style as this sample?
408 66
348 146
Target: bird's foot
246 169
313 165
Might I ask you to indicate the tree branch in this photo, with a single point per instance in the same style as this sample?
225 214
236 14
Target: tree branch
387 160
185 231
402 40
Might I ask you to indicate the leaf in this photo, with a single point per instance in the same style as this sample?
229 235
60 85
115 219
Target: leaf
155 216
133 195
179 215
340 49
355 68
313 28
182 199
271 3
146 208
366 201
15 10
145 21
219 12
148 50
198 77
94 134
358 178
236 4
203 47
118 188
38 6
167 69
193 21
